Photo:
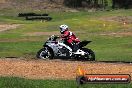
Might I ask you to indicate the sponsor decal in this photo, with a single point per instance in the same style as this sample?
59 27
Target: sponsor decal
107 78
83 78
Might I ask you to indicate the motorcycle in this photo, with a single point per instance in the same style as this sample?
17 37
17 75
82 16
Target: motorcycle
56 47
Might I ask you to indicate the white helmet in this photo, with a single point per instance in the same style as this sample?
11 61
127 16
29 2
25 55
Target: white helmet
63 28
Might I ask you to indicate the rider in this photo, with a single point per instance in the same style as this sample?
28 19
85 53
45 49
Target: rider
71 39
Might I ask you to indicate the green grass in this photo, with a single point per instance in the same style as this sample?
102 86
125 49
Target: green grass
17 49
88 25
14 82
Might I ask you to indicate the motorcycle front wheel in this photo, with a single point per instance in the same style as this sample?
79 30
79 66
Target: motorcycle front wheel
45 53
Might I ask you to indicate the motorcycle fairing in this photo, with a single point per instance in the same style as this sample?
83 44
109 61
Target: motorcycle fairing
58 49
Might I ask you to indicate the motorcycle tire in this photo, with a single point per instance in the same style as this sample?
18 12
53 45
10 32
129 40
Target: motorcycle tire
45 53
90 56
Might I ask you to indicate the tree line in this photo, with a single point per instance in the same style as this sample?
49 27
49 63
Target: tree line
98 3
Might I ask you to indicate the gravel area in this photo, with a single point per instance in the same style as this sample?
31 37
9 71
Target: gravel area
58 69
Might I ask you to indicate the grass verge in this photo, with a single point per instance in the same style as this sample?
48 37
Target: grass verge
15 82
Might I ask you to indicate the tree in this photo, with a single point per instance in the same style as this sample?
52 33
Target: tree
84 3
121 3
73 3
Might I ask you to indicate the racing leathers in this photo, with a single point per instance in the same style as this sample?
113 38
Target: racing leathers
71 39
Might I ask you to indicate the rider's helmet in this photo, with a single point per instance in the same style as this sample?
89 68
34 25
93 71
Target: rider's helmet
63 28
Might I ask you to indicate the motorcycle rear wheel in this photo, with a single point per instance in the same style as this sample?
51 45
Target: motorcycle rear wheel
45 53
90 56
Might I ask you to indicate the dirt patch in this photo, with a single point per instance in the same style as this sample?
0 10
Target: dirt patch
20 40
120 19
42 33
5 27
118 34
40 69
47 33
